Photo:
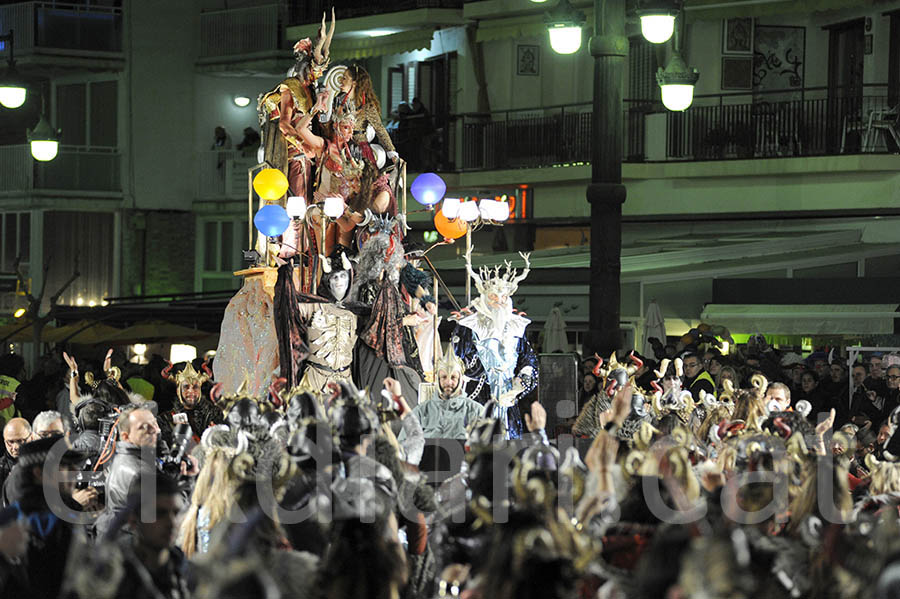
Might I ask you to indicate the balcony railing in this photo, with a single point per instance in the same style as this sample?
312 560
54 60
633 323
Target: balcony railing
74 169
59 26
808 122
790 123
223 174
301 13
541 137
242 31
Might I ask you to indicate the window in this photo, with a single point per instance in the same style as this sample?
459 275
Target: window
87 113
395 89
894 60
642 65
410 83
82 242
16 229
220 242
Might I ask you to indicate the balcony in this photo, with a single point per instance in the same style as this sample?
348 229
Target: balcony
795 123
550 136
781 124
311 12
223 175
251 32
75 169
50 32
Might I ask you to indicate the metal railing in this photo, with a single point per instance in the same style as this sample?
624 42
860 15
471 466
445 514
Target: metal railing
16 166
240 31
53 25
548 136
301 13
75 168
223 174
781 123
784 123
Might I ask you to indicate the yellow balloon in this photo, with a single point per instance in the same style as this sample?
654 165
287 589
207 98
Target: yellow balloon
270 184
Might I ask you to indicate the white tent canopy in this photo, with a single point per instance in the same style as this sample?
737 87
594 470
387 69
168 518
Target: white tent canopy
800 319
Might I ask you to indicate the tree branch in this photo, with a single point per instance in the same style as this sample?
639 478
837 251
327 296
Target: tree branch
40 298
23 283
56 296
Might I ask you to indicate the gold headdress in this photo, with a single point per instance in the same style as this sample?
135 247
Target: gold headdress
190 376
113 374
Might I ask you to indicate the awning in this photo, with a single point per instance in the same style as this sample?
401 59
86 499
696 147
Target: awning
156 331
396 43
709 10
807 320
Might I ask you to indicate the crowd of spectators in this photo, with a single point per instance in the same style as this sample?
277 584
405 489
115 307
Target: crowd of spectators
749 473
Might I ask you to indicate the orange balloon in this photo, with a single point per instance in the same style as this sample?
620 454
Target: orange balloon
450 229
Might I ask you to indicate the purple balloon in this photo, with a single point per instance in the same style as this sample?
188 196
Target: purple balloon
428 189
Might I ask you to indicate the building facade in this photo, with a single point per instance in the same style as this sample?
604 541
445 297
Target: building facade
785 167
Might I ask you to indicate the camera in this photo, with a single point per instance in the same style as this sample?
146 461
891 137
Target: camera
87 478
172 459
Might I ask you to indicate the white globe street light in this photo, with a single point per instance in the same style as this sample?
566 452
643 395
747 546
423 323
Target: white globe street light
12 96
677 83
565 39
44 141
12 88
657 29
564 26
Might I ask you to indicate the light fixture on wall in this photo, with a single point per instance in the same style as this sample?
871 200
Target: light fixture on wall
241 101
658 19
564 25
12 89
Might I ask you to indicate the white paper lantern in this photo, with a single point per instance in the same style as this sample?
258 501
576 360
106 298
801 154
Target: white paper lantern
501 211
450 208
486 208
296 207
334 206
468 211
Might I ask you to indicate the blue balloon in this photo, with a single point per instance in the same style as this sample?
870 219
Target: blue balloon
428 189
272 220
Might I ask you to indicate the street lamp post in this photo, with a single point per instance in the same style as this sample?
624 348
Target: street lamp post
606 194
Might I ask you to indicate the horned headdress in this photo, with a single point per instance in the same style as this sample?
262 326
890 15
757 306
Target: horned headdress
491 280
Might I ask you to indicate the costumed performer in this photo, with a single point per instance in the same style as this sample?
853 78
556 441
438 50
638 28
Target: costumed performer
449 415
380 351
200 411
414 288
331 328
280 113
492 344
